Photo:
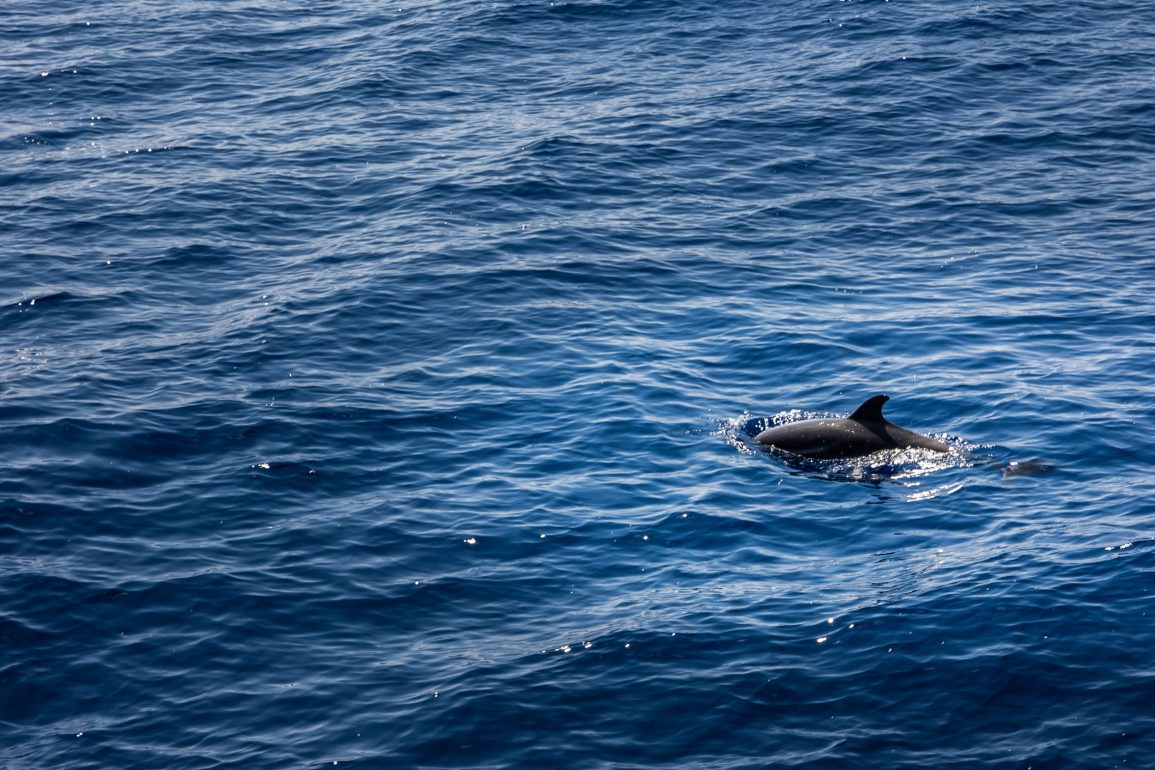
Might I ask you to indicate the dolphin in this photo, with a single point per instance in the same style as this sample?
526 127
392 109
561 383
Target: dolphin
863 432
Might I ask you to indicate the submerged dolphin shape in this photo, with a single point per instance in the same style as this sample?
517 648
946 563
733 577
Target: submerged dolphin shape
863 432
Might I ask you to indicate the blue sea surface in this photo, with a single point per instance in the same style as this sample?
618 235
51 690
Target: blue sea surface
378 384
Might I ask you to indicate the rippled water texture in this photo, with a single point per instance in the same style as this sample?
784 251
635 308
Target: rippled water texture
378 383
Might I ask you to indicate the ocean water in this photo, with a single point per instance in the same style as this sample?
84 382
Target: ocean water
378 384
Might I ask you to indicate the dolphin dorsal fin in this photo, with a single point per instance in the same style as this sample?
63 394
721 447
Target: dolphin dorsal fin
871 409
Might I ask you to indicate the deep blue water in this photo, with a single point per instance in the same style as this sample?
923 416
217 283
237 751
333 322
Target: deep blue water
377 384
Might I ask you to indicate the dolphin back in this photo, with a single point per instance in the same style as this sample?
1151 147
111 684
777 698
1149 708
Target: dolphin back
863 432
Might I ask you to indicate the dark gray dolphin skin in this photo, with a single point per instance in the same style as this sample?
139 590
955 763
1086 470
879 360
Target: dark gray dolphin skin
863 432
